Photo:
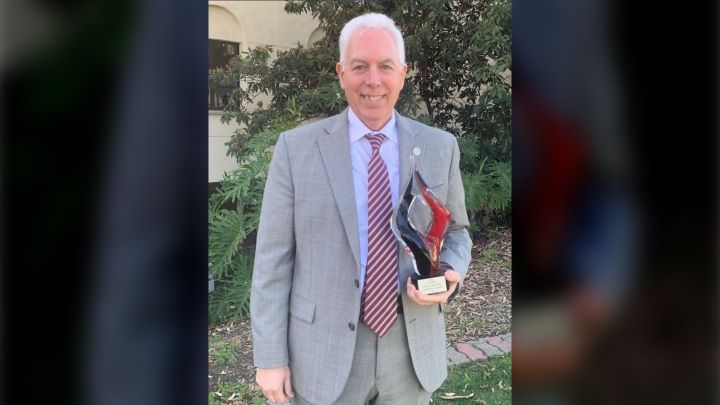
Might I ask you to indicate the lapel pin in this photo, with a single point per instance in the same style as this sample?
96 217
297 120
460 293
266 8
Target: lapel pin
416 151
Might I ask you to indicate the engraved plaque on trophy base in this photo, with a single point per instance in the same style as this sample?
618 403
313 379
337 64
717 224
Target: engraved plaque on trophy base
431 285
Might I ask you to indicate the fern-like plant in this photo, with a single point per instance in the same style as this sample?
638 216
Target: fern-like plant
233 216
488 192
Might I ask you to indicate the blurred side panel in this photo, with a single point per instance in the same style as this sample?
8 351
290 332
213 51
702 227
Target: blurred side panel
59 65
149 313
602 272
104 171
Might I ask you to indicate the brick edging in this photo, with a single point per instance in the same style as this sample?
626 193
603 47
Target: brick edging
479 350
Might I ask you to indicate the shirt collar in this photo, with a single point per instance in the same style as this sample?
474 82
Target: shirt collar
357 129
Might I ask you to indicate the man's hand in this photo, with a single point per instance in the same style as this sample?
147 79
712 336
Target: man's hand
452 276
275 383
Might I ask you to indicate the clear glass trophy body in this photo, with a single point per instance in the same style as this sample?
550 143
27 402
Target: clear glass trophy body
420 221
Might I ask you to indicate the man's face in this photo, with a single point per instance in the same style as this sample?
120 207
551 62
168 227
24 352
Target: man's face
371 76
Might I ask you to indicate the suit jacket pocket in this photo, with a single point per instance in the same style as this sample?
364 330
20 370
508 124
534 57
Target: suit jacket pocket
302 308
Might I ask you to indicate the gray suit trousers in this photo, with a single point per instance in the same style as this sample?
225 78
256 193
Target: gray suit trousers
382 372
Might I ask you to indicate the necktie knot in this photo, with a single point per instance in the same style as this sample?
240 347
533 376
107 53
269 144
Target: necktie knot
375 140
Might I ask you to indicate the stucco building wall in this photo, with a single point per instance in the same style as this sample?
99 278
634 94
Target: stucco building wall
250 23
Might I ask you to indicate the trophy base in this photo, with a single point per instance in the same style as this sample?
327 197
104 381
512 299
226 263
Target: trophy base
430 285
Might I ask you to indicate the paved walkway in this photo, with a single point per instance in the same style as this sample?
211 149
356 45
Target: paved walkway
479 350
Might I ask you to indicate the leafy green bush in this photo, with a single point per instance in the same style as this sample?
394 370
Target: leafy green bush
233 216
488 193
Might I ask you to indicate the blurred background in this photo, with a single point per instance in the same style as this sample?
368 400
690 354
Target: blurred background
614 203
104 197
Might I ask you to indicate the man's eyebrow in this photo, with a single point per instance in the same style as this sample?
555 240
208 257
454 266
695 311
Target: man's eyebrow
389 60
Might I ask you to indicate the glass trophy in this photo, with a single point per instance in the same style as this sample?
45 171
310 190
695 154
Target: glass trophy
419 222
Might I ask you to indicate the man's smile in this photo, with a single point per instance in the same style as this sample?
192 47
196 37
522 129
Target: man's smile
372 99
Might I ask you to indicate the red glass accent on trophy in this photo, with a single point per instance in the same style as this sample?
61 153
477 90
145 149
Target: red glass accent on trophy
420 222
440 221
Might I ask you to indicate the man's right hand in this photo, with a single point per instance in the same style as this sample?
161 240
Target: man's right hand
275 383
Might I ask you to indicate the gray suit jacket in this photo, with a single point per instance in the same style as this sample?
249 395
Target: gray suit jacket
305 303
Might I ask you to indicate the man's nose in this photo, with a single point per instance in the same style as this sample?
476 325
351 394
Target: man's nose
373 77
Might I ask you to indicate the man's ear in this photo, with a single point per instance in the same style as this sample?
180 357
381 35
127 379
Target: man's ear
340 73
403 74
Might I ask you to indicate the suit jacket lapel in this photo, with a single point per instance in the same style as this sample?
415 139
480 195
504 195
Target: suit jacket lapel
335 152
407 141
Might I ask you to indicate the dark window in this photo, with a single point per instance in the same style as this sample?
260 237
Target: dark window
219 54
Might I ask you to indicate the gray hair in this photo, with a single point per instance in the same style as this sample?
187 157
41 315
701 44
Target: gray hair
371 20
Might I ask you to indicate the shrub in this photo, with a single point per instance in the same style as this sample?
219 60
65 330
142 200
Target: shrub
488 194
233 216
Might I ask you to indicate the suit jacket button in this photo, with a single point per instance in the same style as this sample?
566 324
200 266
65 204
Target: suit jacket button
357 283
351 326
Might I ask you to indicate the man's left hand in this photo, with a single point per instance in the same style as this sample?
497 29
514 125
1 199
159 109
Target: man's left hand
452 277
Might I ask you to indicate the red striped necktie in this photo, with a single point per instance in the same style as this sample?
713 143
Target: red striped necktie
379 300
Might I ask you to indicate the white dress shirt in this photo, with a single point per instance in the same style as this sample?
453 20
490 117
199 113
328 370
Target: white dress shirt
360 151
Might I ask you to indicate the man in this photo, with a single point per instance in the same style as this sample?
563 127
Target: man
334 316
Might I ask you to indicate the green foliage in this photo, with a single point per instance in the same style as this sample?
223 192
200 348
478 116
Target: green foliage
478 321
489 381
224 353
227 229
233 216
494 232
489 254
459 59
488 192
231 299
226 390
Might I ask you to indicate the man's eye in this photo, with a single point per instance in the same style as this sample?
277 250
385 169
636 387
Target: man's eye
360 67
386 67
